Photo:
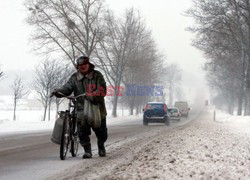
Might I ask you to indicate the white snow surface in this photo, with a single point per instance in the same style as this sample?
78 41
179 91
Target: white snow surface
202 149
29 115
31 121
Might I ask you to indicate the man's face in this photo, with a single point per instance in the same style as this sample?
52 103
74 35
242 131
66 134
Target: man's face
84 68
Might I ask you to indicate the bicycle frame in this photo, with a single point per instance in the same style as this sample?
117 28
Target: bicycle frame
72 116
69 134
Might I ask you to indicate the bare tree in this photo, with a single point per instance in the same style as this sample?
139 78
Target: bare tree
64 72
114 51
172 78
70 28
45 80
78 27
19 91
221 30
226 83
144 71
118 51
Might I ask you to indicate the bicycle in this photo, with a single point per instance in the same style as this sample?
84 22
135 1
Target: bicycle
69 128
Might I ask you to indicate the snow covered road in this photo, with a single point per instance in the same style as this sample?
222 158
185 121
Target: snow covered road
202 149
198 149
33 156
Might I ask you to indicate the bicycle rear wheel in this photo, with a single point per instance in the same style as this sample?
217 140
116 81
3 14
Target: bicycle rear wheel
65 138
74 136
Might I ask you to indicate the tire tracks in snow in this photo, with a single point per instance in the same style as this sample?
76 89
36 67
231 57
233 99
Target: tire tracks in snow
120 155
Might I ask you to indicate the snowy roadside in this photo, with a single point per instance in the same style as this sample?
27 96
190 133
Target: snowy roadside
240 123
202 149
29 121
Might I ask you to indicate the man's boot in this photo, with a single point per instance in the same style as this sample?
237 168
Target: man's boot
88 153
101 150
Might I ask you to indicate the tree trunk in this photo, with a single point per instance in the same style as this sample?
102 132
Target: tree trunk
240 100
137 110
245 105
57 108
45 110
247 89
242 85
122 110
132 106
116 96
171 93
44 114
14 116
231 105
115 102
131 110
49 111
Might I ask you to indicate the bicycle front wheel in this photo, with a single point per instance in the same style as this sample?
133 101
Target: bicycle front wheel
65 139
74 146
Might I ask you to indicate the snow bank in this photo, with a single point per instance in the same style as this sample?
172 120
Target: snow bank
234 121
202 149
31 120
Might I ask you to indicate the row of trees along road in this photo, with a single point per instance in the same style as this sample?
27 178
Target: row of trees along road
222 31
122 47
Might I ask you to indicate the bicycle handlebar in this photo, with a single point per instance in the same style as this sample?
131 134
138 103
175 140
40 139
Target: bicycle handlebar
72 97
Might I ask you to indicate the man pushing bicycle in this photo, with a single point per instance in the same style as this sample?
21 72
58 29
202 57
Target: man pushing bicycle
88 81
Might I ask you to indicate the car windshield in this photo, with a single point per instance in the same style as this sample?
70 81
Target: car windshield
173 110
155 106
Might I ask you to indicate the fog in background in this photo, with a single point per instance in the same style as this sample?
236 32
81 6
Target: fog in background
163 17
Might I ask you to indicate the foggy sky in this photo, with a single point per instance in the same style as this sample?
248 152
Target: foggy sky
163 17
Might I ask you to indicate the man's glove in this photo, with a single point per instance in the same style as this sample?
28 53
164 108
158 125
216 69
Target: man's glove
56 93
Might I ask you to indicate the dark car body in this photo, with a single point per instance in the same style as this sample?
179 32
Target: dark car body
155 112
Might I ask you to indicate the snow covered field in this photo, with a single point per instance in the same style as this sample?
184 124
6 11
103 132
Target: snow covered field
29 115
31 120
